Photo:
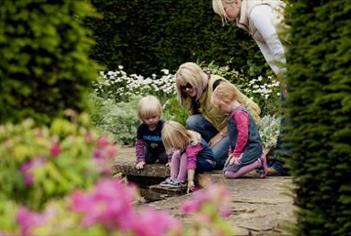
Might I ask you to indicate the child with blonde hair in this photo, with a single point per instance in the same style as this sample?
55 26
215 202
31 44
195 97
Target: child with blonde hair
245 152
149 147
191 154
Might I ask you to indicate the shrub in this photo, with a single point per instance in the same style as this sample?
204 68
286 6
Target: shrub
146 36
118 119
42 163
45 66
319 109
109 209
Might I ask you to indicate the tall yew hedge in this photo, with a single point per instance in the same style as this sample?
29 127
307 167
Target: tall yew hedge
319 108
44 65
146 36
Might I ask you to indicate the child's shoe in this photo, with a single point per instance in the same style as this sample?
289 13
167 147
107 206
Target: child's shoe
167 182
171 183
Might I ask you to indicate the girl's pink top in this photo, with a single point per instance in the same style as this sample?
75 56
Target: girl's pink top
192 151
242 120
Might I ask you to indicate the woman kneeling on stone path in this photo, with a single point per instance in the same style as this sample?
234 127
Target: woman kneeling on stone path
194 90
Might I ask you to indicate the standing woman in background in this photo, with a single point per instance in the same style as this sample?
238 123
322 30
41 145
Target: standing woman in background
261 19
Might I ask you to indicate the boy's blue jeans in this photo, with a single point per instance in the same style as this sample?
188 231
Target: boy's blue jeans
199 124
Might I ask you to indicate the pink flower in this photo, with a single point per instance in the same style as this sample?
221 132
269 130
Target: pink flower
88 137
28 168
216 195
103 158
111 151
28 221
55 149
110 203
155 223
102 141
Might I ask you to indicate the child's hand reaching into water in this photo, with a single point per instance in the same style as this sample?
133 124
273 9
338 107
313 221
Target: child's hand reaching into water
140 165
191 186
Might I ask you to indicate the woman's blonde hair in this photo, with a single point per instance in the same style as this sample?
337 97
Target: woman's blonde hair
218 8
176 136
191 73
223 94
149 106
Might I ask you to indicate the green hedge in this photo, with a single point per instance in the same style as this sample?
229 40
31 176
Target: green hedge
319 107
45 66
146 36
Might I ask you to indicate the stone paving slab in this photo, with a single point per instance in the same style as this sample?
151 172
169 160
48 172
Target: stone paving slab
259 206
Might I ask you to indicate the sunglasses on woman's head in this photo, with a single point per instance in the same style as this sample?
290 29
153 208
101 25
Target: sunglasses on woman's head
185 87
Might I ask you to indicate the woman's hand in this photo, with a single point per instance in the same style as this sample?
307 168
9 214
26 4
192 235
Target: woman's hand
140 165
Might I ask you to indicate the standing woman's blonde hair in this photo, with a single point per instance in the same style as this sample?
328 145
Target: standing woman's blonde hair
149 106
218 8
223 95
176 136
191 73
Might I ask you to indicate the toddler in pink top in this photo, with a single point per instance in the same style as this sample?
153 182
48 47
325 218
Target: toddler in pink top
191 155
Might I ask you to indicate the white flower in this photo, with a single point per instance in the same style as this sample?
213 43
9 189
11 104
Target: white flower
165 71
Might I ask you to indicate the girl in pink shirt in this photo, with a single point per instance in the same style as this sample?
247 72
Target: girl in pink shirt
245 152
191 154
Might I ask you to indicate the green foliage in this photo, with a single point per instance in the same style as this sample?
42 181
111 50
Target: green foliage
269 130
173 111
41 163
8 212
319 110
45 66
119 119
146 36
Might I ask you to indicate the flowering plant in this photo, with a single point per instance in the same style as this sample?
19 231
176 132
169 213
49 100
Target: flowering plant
208 208
41 163
120 86
106 209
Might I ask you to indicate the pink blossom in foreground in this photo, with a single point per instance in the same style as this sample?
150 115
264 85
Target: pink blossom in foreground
27 221
110 203
28 168
55 149
88 137
151 222
216 195
102 141
103 157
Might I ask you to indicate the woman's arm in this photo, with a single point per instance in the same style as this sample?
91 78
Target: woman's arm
262 17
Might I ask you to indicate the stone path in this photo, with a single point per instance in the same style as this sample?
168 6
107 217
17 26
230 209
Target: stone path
259 206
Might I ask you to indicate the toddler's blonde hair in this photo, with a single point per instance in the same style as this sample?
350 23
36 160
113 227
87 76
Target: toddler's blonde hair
223 94
176 136
149 106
